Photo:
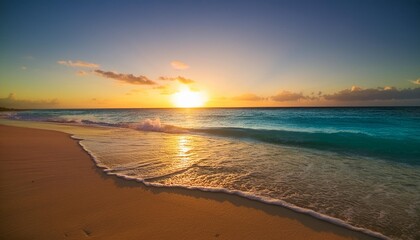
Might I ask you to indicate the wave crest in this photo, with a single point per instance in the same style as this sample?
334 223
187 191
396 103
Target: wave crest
147 125
154 125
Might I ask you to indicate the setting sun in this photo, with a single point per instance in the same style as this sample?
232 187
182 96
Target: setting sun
188 99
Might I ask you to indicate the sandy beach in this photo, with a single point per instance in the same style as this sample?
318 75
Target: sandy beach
51 189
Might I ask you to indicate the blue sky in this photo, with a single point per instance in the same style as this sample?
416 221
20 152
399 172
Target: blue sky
232 48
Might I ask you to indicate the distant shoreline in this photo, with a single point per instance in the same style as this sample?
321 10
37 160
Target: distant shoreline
3 109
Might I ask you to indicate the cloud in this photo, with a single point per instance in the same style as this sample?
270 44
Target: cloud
179 79
380 93
286 96
416 81
165 90
23 68
185 80
179 65
248 97
81 73
127 78
355 88
78 63
12 102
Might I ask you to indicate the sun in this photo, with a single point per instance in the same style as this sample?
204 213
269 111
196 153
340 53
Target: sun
186 98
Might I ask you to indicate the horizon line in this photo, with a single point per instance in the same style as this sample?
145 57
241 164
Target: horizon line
179 108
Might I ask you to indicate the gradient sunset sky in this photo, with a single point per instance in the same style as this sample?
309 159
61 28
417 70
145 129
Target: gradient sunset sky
100 54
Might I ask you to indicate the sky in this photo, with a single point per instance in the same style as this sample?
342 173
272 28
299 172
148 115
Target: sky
139 54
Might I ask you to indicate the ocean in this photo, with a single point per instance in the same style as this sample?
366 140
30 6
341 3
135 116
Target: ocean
355 167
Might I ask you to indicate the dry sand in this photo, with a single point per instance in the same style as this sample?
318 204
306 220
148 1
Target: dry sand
51 189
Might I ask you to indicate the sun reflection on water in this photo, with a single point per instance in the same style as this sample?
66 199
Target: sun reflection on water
184 147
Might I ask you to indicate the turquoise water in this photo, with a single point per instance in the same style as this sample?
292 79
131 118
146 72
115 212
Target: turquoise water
357 167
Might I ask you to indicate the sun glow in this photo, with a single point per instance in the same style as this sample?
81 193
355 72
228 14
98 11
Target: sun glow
188 99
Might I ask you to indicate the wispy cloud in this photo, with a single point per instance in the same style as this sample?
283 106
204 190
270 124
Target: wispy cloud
127 78
12 102
78 63
416 81
248 97
286 96
81 73
179 65
23 68
179 79
381 93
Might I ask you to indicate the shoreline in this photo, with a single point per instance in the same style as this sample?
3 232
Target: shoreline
225 214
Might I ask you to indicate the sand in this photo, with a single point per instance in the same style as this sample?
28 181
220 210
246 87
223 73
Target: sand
51 189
